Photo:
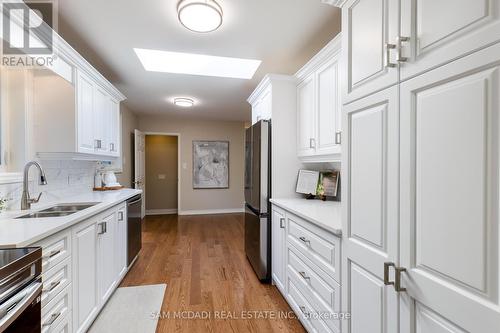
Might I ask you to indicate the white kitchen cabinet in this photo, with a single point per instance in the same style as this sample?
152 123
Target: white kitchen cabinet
121 242
370 211
114 130
449 137
278 244
319 107
369 30
262 106
444 30
85 114
306 138
101 120
106 271
85 278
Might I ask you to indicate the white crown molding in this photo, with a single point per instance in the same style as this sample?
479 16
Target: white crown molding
212 211
161 211
331 49
265 83
336 3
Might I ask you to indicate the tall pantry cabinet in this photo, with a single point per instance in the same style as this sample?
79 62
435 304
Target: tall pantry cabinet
421 155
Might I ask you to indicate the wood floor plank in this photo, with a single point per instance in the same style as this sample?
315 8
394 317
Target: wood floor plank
202 260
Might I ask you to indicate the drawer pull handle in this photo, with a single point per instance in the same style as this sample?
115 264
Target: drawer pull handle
282 223
52 319
303 310
305 240
304 276
52 286
120 216
51 254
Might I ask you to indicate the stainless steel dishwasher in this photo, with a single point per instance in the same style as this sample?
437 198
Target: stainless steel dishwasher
134 228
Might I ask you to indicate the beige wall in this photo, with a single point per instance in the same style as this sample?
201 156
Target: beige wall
161 172
129 124
192 129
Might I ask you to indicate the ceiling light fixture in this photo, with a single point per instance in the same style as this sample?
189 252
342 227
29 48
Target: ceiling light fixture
197 64
183 102
200 15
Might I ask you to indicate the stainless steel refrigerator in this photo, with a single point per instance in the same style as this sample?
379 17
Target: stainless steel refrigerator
257 193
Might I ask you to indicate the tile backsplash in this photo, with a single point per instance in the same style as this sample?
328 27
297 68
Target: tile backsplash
64 178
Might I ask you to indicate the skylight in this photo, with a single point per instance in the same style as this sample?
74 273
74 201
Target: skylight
197 64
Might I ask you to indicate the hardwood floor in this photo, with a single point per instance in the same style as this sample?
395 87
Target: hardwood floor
203 262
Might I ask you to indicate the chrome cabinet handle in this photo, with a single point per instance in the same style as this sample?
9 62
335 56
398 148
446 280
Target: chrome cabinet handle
111 147
338 137
98 144
387 266
52 319
312 143
397 283
120 216
304 276
282 223
101 230
52 286
51 254
305 240
388 48
402 40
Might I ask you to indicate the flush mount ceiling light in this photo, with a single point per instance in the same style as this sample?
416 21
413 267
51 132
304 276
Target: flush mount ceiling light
197 64
183 102
200 15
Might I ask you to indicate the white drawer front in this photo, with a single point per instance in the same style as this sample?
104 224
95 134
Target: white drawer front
55 249
304 310
315 291
64 326
55 280
323 288
319 246
56 310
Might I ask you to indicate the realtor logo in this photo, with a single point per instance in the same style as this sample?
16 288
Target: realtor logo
27 27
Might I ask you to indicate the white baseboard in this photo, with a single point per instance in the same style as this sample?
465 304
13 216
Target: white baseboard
212 211
161 211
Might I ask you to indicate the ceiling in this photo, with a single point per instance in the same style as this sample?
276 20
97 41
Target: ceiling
284 34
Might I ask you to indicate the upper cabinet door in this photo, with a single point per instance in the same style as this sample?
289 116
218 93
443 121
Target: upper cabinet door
370 212
85 116
328 109
306 144
441 31
370 30
113 125
449 196
101 117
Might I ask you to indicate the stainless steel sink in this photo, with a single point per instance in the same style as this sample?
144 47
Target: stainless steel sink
59 210
69 207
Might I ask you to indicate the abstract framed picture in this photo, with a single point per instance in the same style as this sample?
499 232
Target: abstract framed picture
210 164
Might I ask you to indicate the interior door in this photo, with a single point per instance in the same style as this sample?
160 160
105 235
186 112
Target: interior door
370 212
450 197
140 167
444 30
370 28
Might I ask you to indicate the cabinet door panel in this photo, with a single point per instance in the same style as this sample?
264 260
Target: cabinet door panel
85 121
306 117
278 249
449 194
106 251
370 212
328 95
101 119
85 275
368 25
443 30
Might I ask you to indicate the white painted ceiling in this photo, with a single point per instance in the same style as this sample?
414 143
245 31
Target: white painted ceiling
284 34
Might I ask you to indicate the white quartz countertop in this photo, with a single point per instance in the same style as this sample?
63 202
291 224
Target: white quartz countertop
325 214
24 232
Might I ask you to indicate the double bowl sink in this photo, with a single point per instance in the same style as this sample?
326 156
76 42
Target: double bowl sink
59 210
